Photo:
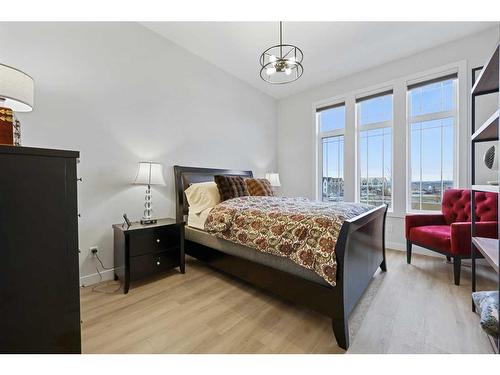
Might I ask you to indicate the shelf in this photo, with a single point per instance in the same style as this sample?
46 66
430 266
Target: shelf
487 81
487 188
488 131
489 248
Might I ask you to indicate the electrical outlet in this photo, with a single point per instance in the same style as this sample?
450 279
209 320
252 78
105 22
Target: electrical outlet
93 250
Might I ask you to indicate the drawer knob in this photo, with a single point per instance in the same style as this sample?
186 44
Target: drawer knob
158 240
158 263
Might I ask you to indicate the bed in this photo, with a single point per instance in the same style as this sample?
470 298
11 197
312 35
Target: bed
359 251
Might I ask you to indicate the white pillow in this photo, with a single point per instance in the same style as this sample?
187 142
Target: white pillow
202 195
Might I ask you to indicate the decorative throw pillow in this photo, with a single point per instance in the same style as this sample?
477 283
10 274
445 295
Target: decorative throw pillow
487 307
231 187
259 187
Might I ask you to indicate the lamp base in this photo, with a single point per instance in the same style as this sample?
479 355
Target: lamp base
148 221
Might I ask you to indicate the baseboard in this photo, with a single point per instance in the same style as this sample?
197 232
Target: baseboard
95 278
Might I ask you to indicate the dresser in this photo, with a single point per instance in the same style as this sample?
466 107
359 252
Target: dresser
142 251
39 276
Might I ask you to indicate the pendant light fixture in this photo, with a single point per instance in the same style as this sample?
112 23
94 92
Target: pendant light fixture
281 63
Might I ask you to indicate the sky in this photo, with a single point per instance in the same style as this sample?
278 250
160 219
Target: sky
431 142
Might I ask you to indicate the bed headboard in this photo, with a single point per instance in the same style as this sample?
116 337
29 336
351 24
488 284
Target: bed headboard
185 176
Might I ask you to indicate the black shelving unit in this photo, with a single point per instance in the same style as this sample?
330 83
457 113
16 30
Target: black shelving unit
486 83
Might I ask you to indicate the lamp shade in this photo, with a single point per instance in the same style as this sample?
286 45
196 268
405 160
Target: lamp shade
16 89
273 178
149 173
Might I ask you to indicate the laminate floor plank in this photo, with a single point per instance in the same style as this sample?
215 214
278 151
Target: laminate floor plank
410 309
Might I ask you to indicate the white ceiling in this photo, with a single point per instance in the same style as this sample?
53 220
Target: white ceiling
331 49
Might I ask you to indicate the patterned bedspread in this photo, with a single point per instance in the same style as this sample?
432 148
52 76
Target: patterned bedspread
302 230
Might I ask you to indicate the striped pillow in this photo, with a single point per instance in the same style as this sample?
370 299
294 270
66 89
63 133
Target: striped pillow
259 187
231 187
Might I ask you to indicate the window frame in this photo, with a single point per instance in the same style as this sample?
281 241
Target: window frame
373 126
430 117
344 92
319 142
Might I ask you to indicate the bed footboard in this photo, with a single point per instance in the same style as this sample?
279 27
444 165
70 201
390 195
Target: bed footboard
360 251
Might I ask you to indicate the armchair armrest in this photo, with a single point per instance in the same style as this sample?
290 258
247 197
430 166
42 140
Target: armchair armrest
461 232
417 220
488 229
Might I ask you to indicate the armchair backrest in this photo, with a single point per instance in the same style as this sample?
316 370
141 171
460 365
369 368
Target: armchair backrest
456 206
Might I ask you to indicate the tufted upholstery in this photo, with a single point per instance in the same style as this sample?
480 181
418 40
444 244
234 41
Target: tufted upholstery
450 231
456 206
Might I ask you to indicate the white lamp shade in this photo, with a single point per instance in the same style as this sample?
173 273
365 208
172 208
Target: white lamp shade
150 173
274 179
16 89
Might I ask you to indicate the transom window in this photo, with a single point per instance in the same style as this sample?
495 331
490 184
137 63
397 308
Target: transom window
374 124
331 127
432 115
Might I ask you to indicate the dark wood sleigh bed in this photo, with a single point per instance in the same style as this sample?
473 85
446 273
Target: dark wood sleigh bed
360 250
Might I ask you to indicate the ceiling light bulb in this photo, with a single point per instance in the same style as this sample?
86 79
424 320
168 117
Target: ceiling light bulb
288 71
272 58
270 71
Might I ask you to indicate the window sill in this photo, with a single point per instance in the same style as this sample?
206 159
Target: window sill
400 215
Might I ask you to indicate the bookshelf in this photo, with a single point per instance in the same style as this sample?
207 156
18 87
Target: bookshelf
486 83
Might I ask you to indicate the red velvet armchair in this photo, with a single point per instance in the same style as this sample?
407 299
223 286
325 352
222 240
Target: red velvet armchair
449 233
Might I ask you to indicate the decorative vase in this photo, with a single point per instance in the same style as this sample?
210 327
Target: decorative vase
6 126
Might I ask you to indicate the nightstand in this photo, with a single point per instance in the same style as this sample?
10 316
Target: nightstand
142 251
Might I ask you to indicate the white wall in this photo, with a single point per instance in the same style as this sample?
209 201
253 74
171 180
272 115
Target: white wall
296 153
120 94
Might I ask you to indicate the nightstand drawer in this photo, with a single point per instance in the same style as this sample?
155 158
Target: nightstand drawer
150 264
154 240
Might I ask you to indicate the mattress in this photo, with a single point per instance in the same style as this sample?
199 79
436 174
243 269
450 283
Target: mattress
280 263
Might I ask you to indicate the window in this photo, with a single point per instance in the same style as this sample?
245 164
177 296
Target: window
432 114
374 124
331 126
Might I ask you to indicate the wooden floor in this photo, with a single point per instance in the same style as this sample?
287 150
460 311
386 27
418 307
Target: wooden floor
410 309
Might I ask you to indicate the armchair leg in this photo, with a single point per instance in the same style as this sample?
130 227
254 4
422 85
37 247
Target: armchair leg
408 252
457 263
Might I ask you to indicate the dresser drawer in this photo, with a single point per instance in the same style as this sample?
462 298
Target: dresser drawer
151 264
154 240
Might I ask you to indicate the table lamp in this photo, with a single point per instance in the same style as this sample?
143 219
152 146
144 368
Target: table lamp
149 173
16 95
274 179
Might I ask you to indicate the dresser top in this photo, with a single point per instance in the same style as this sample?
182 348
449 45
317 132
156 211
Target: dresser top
4 149
137 225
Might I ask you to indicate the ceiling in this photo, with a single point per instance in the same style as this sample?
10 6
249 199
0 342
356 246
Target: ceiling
331 49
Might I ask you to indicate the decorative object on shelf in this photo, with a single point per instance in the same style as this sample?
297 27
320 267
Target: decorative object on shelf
149 173
274 179
491 161
281 63
16 95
